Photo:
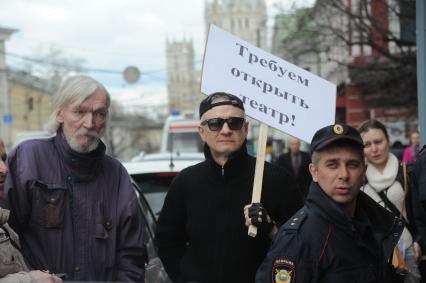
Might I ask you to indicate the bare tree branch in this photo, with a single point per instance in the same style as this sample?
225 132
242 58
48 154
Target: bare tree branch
386 61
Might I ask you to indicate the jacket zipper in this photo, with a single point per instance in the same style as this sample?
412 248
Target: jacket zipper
223 171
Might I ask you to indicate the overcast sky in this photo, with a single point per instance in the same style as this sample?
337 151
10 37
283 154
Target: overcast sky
109 35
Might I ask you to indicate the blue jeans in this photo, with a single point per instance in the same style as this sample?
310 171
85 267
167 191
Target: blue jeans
413 275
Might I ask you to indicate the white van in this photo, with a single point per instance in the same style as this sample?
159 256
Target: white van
180 134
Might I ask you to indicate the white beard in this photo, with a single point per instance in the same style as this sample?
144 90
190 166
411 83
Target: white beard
73 143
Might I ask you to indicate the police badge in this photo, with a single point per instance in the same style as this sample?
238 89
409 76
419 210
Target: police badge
283 271
338 129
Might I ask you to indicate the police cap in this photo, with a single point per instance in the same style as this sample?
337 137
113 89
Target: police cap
333 133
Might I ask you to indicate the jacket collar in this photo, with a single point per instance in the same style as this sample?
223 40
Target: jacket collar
236 165
368 214
83 166
327 207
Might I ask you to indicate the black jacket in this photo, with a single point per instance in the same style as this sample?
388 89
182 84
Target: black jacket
304 178
418 197
410 205
201 233
321 244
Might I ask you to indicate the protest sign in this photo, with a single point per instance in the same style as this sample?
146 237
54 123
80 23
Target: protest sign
274 91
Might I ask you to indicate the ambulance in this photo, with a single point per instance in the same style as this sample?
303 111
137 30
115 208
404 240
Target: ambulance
180 134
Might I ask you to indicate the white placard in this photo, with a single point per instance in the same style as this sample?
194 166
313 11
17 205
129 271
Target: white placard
273 90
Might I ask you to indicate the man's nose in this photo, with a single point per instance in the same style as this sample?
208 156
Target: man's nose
88 121
343 172
225 128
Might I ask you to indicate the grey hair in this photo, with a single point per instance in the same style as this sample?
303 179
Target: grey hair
315 157
73 89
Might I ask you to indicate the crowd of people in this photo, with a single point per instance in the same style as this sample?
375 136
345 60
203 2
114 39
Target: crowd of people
337 213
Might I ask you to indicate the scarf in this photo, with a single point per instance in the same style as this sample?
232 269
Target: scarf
380 181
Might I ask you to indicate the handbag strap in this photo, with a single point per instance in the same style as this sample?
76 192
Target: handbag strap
389 204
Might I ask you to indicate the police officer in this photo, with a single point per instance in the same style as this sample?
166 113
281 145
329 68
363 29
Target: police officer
340 235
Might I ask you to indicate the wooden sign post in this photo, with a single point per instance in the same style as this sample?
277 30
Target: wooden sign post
258 174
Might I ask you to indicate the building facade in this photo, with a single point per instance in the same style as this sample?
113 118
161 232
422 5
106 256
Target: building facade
363 47
182 80
30 99
243 18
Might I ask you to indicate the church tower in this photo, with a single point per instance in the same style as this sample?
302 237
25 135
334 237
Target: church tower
243 18
182 82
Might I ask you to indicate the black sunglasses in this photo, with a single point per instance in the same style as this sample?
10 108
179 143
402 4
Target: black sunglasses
216 124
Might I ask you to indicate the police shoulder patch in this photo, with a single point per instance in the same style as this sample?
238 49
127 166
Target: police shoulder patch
283 271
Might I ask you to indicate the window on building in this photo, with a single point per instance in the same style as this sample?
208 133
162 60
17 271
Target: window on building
408 21
30 103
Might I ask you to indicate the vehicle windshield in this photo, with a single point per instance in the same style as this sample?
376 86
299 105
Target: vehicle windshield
184 142
154 187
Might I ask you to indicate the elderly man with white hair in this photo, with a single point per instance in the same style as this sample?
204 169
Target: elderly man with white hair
72 205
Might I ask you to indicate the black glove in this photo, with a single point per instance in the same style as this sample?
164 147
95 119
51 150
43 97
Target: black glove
260 218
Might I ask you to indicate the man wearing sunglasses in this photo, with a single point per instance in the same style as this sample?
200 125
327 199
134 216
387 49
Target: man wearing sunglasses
202 229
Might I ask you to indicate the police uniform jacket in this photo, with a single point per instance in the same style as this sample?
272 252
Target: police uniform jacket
201 233
321 244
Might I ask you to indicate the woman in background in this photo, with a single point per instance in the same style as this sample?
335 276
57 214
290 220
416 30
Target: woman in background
386 186
411 151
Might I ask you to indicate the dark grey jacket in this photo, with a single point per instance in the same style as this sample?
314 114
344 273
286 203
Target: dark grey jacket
321 244
75 213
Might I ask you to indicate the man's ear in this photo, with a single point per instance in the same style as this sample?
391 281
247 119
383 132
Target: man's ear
314 172
202 133
60 117
246 128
